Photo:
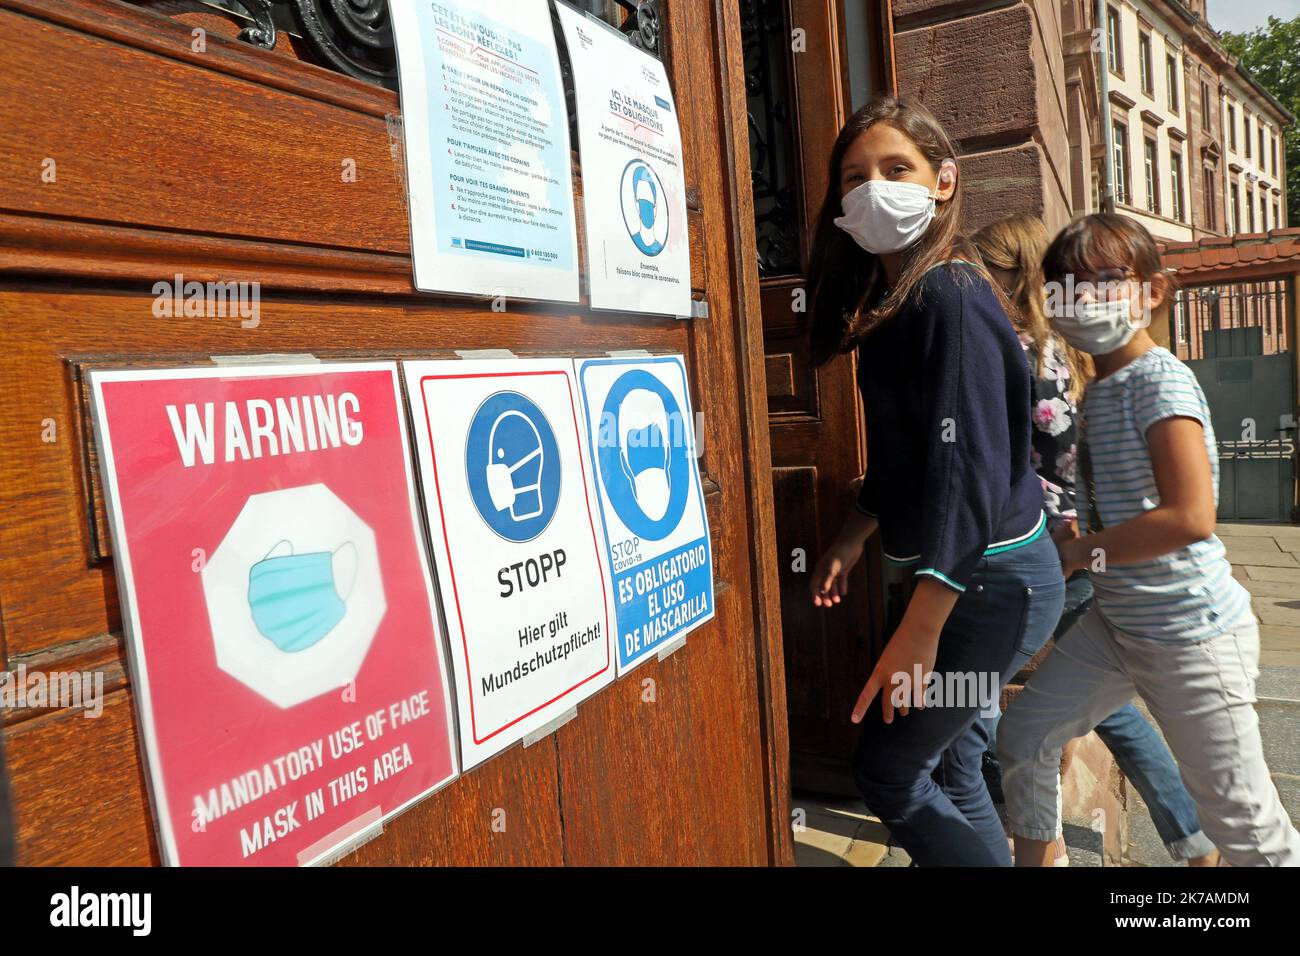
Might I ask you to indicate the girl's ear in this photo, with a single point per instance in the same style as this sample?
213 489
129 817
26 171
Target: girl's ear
947 181
1159 286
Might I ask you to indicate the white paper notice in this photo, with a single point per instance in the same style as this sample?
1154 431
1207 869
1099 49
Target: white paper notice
514 524
634 188
487 149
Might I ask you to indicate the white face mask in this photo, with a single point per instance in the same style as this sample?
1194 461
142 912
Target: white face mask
884 216
1097 327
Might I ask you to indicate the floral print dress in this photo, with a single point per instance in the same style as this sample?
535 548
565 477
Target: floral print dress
1055 429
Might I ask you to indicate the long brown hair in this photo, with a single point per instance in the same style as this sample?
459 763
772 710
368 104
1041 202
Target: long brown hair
844 279
1017 244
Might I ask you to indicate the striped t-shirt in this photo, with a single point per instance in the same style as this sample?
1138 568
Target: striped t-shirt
1186 595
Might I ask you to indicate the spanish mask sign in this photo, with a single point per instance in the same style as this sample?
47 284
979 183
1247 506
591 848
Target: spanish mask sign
282 632
641 438
634 187
514 528
486 132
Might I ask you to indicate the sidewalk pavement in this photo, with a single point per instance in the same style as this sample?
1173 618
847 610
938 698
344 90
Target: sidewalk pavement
1265 557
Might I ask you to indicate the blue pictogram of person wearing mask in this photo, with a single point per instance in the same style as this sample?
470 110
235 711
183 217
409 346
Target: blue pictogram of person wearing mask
512 466
643 451
644 458
644 211
297 599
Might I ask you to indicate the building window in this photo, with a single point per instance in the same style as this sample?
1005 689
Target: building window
1245 129
1262 154
1273 144
1150 168
1145 69
1234 201
1263 214
1211 214
1096 189
1205 106
1250 209
1121 164
1232 127
1176 184
1171 80
1114 42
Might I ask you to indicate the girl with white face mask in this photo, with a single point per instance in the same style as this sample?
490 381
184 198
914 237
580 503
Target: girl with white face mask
1169 622
1012 250
948 485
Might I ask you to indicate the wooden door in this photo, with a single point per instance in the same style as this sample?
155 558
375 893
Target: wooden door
127 156
797 77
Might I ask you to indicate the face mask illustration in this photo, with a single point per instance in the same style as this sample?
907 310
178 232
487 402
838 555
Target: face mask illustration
643 450
1097 327
296 599
883 216
646 197
515 460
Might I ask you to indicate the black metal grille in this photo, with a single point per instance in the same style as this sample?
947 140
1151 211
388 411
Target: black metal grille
765 39
1260 304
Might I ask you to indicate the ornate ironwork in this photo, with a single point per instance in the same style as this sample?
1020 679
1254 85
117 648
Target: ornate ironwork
765 41
352 36
262 31
642 24
356 36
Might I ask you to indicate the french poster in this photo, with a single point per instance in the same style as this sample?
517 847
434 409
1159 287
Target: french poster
281 626
641 437
634 186
487 149
513 523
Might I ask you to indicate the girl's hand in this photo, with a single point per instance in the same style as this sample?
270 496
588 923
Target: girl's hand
830 578
1069 547
909 653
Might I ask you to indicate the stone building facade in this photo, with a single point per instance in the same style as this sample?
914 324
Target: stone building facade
1197 142
995 78
1018 88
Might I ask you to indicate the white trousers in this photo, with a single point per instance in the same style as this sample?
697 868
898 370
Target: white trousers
1201 694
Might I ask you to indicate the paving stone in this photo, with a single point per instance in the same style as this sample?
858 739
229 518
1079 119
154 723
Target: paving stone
1285 575
1276 611
1288 789
1281 532
1279 725
1266 544
864 853
1280 682
1260 557
820 847
1145 848
1082 843
1267 589
1279 637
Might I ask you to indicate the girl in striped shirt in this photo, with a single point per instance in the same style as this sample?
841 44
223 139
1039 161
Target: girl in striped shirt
1170 622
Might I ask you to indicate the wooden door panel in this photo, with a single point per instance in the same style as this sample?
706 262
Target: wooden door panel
817 446
226 166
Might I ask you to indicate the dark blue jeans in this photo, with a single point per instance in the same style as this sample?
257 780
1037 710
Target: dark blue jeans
921 775
1139 752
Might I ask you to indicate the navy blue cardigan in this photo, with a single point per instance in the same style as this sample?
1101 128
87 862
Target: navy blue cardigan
946 389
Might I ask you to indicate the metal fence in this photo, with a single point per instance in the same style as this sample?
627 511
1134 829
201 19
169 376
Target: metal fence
1260 304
